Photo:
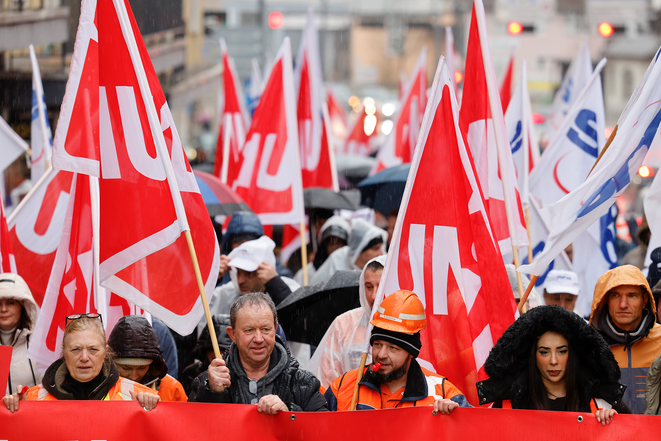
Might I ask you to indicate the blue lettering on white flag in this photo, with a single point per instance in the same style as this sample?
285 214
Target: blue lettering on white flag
582 122
535 251
622 178
567 93
607 230
516 142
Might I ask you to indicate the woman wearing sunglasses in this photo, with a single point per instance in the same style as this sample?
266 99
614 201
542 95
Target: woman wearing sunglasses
85 371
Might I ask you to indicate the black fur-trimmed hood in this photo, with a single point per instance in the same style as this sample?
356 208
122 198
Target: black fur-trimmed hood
507 364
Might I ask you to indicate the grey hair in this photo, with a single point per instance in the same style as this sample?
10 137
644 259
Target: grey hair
253 299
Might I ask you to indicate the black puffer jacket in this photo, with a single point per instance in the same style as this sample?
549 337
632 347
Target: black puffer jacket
297 388
507 365
134 337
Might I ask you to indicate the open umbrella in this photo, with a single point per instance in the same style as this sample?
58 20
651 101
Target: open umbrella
316 197
308 312
383 191
354 167
219 198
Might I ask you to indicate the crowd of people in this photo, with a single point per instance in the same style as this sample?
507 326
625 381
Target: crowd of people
550 358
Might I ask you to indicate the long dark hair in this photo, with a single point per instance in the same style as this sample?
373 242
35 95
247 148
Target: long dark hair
539 398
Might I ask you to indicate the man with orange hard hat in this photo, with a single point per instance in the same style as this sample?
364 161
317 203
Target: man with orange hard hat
395 379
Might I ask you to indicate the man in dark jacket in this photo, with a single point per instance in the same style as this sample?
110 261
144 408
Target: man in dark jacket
257 368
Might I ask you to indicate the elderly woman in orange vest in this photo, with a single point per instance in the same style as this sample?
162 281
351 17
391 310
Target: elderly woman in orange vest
85 371
139 358
551 359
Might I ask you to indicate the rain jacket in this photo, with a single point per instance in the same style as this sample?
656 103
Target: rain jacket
634 351
342 346
134 337
335 226
345 258
507 365
247 224
113 387
297 388
22 371
423 387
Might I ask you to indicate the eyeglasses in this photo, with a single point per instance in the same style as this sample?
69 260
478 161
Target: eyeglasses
92 315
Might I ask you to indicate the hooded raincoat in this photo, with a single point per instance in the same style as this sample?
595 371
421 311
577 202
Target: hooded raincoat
636 350
362 233
342 346
22 371
134 337
335 226
508 362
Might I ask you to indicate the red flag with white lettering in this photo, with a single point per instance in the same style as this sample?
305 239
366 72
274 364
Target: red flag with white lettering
338 117
358 141
7 259
399 145
227 165
116 124
71 283
35 227
270 177
481 121
317 156
443 249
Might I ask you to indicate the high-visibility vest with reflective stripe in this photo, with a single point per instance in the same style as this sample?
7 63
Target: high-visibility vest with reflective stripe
121 390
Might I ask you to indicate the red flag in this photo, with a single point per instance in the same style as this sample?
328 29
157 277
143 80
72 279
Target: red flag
443 250
358 141
7 259
317 156
482 123
506 85
233 119
336 111
119 126
35 227
71 284
399 145
270 177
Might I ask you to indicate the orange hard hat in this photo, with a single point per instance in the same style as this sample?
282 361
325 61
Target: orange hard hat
401 311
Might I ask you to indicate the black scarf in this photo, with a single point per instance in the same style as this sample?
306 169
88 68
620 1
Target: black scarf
82 391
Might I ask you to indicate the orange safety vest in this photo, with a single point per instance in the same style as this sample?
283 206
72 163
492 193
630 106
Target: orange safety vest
121 390
594 405
369 398
171 390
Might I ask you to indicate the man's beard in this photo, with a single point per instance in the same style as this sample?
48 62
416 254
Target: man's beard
393 375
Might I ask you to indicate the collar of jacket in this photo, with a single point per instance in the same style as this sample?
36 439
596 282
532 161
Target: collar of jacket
56 372
617 336
416 384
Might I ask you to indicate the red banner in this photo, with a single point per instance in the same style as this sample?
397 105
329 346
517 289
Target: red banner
116 420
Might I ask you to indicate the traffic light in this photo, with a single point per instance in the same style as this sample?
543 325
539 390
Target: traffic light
606 29
275 20
515 28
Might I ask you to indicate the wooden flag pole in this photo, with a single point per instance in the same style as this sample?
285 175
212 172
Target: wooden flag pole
304 254
608 143
227 133
159 142
524 297
361 368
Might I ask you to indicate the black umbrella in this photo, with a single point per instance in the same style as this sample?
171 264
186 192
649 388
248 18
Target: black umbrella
323 198
308 312
384 190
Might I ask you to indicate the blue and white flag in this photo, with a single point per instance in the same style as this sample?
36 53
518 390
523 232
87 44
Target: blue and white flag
575 79
253 87
41 139
582 207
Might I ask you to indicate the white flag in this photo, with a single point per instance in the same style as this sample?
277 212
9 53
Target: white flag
41 142
577 211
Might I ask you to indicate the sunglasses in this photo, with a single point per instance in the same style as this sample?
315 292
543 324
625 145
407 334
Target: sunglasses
92 315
